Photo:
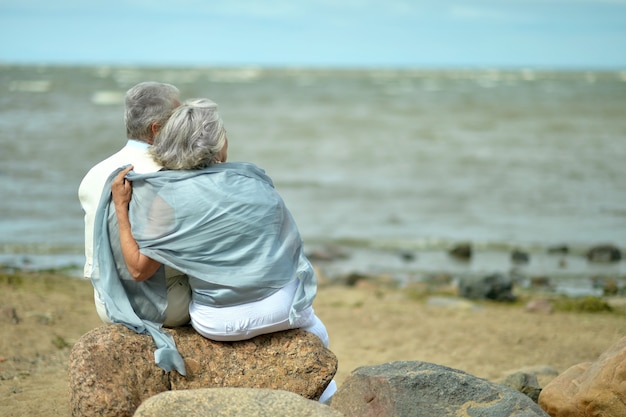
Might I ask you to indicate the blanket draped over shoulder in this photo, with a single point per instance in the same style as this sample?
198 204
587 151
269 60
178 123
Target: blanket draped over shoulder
224 226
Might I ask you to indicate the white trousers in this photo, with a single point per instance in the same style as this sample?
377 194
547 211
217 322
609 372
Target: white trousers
246 321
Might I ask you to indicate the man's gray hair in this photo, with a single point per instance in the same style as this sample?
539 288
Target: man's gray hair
148 103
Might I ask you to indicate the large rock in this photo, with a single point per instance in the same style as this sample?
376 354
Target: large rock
591 388
240 402
491 287
399 389
112 369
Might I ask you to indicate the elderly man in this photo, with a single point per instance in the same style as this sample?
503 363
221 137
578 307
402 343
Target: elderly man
148 105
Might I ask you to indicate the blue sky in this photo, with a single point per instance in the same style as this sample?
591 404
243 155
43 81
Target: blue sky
560 34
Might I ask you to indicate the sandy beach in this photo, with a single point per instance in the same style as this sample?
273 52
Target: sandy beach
42 315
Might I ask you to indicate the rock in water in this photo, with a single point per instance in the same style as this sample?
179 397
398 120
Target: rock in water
604 253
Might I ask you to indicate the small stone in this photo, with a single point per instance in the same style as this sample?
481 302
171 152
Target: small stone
541 306
9 314
526 383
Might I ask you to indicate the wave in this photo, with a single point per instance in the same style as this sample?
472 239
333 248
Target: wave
107 98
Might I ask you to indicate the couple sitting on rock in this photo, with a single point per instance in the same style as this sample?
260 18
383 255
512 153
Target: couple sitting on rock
201 241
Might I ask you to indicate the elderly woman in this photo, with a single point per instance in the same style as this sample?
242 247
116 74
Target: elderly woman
224 225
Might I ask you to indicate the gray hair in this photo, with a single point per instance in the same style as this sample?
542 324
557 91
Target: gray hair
192 138
148 103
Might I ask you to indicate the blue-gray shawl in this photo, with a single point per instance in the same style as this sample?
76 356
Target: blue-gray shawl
225 226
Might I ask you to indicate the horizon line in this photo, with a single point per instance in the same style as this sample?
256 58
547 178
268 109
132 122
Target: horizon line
320 66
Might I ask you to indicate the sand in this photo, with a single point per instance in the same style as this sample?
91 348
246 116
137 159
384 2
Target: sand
368 325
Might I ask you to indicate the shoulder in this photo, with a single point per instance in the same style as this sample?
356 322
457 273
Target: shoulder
134 155
93 182
248 170
95 178
110 163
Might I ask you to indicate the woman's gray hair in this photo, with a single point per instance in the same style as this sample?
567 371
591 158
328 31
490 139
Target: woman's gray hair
192 138
147 103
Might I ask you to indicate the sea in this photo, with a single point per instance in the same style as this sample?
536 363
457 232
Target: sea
383 169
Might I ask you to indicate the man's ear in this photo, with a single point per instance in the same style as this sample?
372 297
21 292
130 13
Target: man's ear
154 129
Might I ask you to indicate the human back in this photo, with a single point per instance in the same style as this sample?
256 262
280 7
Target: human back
147 107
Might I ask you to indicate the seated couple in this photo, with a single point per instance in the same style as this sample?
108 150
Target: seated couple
222 224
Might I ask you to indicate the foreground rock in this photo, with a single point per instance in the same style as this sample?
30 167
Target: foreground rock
112 370
241 402
402 389
591 388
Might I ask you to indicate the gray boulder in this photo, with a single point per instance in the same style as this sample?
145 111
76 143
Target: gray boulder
227 402
403 389
495 287
112 369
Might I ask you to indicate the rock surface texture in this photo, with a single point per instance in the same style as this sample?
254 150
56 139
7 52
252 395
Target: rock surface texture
226 402
591 388
403 389
112 369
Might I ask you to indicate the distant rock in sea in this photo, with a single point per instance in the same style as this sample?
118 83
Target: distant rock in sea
604 253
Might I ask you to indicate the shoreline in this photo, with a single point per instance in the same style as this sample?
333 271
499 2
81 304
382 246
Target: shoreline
369 323
566 268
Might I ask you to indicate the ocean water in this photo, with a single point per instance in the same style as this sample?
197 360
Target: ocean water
380 162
